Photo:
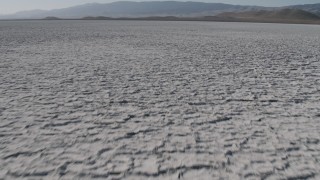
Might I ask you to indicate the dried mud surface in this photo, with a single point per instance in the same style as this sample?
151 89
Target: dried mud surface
159 100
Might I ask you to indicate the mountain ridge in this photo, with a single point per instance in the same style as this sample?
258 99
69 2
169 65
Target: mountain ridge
149 8
276 16
289 16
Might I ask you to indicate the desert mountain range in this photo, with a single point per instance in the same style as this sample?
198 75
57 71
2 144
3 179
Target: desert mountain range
165 8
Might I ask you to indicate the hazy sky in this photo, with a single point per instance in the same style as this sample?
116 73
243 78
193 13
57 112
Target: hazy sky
11 6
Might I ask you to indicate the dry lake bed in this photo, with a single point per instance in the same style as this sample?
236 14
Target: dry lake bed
159 100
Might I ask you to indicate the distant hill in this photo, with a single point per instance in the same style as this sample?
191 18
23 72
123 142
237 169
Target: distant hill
279 16
138 9
51 18
95 18
154 9
282 15
313 8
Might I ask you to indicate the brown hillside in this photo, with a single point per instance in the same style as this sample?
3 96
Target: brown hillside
283 14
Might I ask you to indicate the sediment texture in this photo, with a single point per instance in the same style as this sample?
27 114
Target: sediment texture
159 100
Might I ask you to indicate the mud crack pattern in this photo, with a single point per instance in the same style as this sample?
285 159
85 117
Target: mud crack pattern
159 100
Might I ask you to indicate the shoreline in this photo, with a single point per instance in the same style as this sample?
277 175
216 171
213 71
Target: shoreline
204 19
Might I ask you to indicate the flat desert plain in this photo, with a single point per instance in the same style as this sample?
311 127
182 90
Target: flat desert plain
159 100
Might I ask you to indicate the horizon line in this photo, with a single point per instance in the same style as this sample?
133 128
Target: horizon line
144 1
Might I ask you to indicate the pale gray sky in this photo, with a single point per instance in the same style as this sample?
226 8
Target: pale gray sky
11 6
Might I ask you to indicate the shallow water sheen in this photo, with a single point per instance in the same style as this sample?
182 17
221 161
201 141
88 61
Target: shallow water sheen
159 100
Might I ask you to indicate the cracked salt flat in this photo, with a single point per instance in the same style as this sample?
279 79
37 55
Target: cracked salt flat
159 100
